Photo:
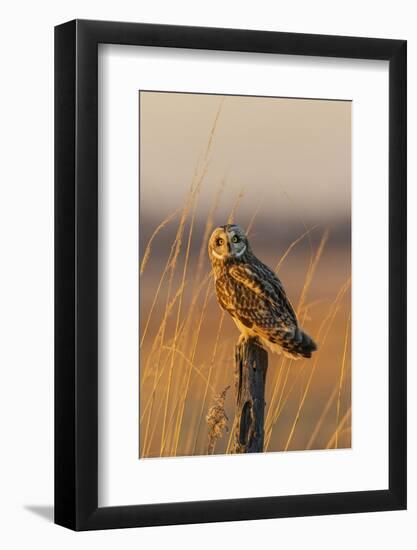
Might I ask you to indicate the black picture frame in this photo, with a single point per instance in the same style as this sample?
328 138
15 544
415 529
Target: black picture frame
76 272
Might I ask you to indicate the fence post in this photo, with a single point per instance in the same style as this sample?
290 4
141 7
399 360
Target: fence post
251 365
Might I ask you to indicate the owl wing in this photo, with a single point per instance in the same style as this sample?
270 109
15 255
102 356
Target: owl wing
265 304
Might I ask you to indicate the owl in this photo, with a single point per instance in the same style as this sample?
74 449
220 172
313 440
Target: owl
253 295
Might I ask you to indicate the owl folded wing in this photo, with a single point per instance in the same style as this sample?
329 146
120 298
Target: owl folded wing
267 289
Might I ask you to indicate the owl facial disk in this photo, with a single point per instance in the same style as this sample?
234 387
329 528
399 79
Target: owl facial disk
228 241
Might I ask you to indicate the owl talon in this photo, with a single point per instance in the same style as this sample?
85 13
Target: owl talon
258 343
242 339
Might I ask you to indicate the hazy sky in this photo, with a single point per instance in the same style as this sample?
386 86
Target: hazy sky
294 153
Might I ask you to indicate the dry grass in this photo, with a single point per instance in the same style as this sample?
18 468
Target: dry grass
216 420
187 355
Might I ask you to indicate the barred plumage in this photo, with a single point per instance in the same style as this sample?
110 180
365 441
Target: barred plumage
253 295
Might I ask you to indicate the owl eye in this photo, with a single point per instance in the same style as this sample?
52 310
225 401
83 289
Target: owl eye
219 241
235 239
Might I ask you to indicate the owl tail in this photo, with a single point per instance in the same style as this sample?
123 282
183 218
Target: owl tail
300 345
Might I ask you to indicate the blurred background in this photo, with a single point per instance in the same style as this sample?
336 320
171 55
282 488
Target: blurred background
280 168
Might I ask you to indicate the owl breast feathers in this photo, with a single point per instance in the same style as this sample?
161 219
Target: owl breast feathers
254 296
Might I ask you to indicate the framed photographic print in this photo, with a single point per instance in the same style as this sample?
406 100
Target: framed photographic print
230 251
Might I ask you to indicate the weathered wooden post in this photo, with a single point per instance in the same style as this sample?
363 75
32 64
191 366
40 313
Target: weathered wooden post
251 365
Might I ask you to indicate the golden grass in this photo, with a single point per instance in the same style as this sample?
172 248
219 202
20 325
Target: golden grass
186 359
177 326
147 252
189 204
325 327
292 245
212 363
342 372
321 419
341 424
216 420
188 378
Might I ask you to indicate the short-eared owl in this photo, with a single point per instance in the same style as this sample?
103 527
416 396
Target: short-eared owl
253 294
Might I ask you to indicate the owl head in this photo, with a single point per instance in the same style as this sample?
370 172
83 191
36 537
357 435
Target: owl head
228 242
